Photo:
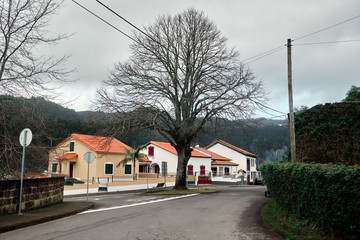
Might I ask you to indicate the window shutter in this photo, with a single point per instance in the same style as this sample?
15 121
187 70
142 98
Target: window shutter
151 151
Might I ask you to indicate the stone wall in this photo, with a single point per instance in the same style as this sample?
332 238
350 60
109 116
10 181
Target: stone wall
36 193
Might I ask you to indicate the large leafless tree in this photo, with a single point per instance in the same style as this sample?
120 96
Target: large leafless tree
181 75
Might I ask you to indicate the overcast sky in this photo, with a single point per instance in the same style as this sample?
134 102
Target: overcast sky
321 72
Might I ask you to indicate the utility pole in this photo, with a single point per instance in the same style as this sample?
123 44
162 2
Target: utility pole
291 106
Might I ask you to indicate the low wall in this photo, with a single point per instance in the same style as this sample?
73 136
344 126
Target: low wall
36 193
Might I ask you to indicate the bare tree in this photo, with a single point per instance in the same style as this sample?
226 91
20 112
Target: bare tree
22 28
24 72
180 76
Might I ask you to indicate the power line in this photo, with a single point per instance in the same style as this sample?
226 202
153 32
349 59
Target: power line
268 53
258 103
330 42
141 31
128 22
103 20
327 28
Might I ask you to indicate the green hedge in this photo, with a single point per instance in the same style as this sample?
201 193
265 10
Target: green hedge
328 195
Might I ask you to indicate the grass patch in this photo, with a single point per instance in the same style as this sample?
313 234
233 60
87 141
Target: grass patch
288 227
178 192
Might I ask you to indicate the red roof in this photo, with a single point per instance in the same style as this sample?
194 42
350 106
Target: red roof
169 148
214 156
99 144
102 144
67 156
228 163
232 147
144 159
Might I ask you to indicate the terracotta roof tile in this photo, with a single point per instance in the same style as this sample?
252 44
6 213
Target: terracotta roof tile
144 160
67 156
169 148
214 156
228 163
232 147
101 144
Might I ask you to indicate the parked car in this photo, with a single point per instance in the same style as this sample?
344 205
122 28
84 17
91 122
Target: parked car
259 181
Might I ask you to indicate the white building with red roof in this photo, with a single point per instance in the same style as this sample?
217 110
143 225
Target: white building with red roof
220 166
67 158
246 160
158 152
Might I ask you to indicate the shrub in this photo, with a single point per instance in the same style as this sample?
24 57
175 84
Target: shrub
327 195
70 181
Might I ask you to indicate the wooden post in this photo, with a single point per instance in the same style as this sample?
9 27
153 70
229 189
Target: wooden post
291 106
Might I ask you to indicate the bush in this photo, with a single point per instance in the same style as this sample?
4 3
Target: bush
327 195
71 181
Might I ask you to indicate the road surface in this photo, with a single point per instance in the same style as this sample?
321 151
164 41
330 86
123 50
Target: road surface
232 213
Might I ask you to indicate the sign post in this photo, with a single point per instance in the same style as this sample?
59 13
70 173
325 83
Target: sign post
24 139
89 158
164 170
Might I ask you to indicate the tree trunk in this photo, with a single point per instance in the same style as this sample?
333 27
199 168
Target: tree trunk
184 153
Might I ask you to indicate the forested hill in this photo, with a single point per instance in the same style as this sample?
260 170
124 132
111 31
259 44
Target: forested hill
50 123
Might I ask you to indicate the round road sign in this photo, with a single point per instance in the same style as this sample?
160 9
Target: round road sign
25 137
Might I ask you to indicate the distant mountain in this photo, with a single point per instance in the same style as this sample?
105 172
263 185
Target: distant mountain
52 122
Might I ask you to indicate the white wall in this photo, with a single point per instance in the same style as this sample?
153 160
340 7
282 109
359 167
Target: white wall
161 155
235 157
197 162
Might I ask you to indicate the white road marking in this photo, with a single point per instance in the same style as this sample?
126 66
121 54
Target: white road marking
138 204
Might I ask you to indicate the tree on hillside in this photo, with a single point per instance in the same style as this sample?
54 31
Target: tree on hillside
180 76
133 155
24 72
353 94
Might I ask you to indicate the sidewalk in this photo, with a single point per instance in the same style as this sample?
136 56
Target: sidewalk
111 187
60 210
64 209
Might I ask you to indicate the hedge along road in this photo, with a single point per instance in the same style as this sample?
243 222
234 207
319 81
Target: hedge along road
233 213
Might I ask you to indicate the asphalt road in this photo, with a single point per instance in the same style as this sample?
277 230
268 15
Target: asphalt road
233 213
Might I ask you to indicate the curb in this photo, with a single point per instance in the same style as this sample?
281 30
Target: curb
42 219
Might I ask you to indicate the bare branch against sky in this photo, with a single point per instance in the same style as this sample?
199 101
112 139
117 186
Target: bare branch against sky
181 75
321 73
23 27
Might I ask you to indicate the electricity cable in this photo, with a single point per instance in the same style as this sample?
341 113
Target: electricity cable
103 20
265 55
327 28
258 103
332 42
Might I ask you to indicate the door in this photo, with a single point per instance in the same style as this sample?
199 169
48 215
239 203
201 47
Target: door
71 173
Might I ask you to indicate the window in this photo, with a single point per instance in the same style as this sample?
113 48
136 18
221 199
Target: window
127 169
190 170
202 170
227 171
151 151
55 167
72 146
109 168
